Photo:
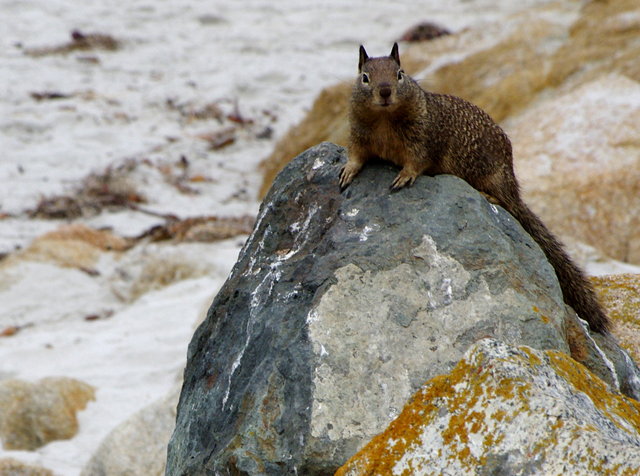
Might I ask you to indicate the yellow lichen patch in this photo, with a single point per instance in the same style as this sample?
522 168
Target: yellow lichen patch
459 395
620 296
499 415
543 317
534 360
623 411
494 401
385 449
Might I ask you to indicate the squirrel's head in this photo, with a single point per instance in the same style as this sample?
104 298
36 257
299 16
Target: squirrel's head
380 78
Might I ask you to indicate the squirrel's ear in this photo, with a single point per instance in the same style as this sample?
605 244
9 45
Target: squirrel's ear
394 53
363 57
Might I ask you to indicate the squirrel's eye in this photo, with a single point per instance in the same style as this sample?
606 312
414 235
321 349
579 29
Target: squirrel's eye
365 78
400 74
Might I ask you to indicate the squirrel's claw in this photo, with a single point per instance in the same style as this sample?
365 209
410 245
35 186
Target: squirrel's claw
347 174
403 179
344 180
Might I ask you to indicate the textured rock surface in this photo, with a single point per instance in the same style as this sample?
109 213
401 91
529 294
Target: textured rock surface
138 446
508 410
341 305
33 414
13 467
581 162
73 246
620 295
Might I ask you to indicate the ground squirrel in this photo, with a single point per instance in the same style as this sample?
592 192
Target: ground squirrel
393 118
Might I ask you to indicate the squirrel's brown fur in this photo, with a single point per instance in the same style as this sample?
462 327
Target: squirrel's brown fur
393 118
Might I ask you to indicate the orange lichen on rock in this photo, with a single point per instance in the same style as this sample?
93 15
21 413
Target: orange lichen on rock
623 412
457 394
498 401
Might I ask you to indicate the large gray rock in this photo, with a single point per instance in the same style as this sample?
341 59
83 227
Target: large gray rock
341 305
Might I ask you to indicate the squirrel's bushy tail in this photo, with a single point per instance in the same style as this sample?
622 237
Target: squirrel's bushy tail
576 288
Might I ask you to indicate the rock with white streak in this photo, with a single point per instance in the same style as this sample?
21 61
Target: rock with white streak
342 305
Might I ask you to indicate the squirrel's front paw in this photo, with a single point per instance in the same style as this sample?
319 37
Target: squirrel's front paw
348 172
403 179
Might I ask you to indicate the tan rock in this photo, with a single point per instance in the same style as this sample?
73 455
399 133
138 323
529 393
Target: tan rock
33 414
13 467
580 164
138 446
620 295
602 210
101 239
72 246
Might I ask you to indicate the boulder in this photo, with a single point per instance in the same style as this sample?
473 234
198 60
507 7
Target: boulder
620 296
34 414
154 266
72 246
580 164
138 446
508 410
13 467
342 305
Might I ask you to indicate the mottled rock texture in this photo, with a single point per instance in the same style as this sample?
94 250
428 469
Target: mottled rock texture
579 156
508 410
71 246
13 467
620 296
34 414
342 305
138 446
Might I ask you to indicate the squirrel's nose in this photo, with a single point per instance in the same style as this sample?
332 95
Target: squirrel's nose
385 91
